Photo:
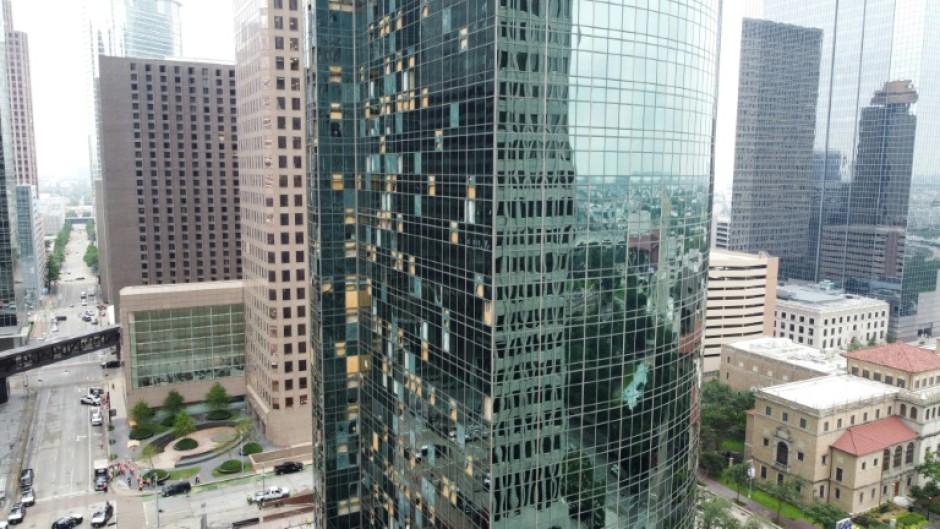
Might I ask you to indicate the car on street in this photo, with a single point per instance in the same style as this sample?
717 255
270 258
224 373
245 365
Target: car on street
68 522
26 478
96 391
180 487
101 484
17 513
91 400
269 494
102 515
28 498
109 364
96 418
288 467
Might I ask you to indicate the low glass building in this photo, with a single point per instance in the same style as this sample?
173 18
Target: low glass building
183 338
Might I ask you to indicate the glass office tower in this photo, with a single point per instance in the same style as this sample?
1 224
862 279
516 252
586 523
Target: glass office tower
874 227
509 211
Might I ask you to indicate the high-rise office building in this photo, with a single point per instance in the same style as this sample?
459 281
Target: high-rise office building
31 244
509 222
21 102
146 29
873 229
269 79
8 314
169 203
773 159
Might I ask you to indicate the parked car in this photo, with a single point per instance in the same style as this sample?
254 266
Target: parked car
101 484
96 418
288 467
26 478
268 494
91 400
28 498
96 391
108 364
180 487
68 522
17 513
102 515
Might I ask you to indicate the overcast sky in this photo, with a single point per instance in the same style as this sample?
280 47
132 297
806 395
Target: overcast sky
59 62
59 69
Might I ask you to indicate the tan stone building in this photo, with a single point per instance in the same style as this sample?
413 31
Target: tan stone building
765 361
827 318
741 298
793 427
272 169
183 338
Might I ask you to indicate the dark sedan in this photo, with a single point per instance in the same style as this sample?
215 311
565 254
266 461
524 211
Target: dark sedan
288 467
68 522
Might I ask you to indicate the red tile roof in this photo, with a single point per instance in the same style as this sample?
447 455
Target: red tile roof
874 436
898 356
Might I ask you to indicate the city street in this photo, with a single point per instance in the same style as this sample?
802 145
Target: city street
64 299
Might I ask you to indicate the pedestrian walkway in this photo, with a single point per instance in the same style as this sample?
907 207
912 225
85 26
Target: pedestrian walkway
752 506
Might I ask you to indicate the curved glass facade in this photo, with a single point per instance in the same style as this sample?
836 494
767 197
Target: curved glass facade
510 201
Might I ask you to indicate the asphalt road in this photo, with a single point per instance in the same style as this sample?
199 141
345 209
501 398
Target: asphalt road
65 297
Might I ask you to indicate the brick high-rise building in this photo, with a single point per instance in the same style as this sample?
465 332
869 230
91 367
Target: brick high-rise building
169 203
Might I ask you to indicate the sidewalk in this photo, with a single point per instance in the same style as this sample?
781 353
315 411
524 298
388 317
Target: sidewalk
720 490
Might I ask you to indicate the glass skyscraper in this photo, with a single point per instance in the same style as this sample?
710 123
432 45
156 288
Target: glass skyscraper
873 225
509 211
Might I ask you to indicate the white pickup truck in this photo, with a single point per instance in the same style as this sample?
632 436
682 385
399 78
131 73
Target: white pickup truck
269 494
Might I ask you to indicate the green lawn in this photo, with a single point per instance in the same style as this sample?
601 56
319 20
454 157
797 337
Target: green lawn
789 510
732 445
183 473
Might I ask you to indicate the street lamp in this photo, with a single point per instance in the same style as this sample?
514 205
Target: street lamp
750 479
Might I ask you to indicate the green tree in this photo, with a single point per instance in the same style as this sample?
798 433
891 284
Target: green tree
712 463
173 402
716 514
724 413
217 398
91 257
930 469
738 474
756 521
90 229
141 413
184 424
824 514
786 491
53 270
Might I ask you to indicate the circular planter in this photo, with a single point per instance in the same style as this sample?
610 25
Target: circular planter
185 443
142 432
218 415
252 448
232 466
162 475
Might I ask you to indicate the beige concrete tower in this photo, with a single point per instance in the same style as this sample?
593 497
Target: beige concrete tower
21 102
270 96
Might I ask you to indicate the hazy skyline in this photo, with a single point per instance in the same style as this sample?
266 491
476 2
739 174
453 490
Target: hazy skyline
59 64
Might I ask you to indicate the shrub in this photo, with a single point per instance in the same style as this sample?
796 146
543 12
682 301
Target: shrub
218 415
231 466
160 474
141 432
252 448
186 443
910 519
168 421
